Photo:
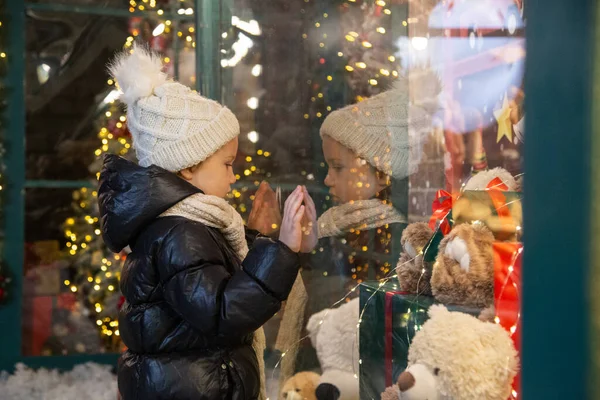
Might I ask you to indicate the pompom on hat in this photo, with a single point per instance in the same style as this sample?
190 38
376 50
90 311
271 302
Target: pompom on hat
172 126
388 130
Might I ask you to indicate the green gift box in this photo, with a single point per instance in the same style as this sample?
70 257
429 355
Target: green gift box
389 320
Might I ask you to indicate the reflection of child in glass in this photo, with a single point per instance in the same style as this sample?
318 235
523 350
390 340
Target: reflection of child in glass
371 148
196 295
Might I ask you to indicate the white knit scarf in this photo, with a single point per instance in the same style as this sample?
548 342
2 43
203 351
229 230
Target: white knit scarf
359 214
215 212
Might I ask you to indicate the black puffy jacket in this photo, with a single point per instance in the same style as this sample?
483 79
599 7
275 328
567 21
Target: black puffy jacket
191 305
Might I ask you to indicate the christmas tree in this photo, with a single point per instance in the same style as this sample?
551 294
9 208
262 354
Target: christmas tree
96 270
368 47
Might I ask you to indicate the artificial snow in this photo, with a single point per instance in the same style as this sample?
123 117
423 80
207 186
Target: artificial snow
87 381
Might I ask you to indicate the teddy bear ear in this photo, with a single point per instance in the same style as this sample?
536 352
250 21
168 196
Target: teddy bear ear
314 324
437 310
415 237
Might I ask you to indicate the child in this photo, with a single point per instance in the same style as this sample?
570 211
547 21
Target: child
371 148
195 295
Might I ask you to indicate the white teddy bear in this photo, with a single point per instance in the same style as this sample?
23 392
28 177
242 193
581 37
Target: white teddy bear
334 335
455 356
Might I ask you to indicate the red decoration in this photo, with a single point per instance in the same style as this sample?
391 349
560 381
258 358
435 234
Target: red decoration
507 295
441 208
121 302
321 61
495 188
2 293
66 301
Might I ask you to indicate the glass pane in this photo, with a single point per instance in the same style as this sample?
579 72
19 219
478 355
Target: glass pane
451 74
393 114
70 97
72 297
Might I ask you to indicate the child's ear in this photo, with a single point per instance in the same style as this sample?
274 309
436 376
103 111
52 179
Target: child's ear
186 174
383 180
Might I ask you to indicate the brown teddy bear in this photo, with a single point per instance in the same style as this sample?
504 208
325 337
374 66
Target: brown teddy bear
414 273
301 386
463 273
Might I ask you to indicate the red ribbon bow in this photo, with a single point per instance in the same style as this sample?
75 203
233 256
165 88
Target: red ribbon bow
495 188
441 207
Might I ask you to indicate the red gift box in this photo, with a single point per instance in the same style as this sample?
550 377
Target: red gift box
507 295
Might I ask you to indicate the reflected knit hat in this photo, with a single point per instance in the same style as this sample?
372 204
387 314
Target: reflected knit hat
172 126
388 130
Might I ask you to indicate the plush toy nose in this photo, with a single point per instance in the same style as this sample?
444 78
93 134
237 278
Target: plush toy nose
327 391
292 395
406 380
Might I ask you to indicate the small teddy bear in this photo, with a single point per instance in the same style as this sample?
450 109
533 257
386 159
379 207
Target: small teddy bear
456 356
463 273
334 335
301 386
414 273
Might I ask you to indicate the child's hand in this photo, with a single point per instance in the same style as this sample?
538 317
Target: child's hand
264 216
291 226
309 224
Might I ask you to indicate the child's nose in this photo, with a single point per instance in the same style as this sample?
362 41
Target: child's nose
328 181
232 178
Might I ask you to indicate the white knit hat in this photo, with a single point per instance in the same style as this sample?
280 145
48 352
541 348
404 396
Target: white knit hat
172 126
388 129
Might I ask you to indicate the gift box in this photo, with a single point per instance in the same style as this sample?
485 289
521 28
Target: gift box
390 318
507 295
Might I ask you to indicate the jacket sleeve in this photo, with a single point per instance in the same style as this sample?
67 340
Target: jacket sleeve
251 236
201 289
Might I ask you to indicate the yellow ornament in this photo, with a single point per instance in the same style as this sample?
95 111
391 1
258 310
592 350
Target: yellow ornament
504 124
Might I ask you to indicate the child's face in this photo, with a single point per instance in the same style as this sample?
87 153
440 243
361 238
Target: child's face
214 176
349 177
